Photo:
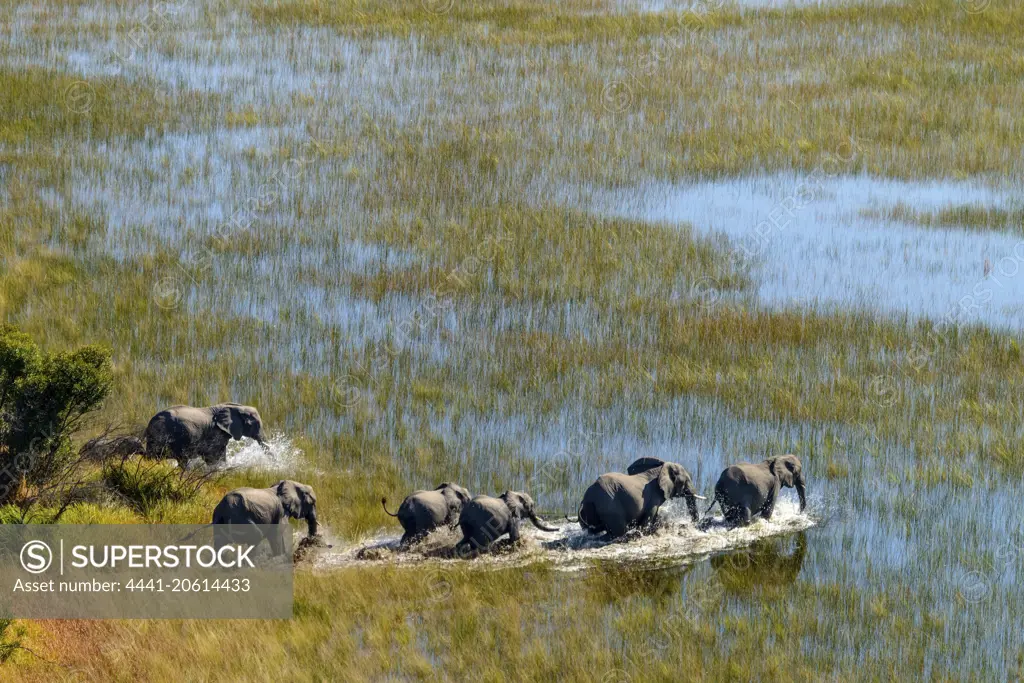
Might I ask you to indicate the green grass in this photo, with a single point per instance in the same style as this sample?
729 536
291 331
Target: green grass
967 216
485 626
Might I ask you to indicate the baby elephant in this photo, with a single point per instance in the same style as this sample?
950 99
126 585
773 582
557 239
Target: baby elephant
617 502
239 510
423 511
746 490
487 519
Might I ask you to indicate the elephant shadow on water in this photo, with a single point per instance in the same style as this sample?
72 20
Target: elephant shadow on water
768 565
617 582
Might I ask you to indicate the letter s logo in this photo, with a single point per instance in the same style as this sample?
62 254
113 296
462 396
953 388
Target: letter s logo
36 557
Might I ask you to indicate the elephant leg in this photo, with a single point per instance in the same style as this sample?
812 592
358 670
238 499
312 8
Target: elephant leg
221 536
743 516
768 509
276 540
214 454
648 521
165 449
737 515
466 548
513 532
614 529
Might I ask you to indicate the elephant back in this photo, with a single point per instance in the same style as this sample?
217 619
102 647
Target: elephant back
181 421
484 511
425 505
245 505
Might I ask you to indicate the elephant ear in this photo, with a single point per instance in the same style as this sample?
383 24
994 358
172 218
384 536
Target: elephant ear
643 464
462 494
665 482
450 496
223 420
781 468
288 494
514 503
236 424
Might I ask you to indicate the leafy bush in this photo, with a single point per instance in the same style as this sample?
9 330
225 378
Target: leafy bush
44 398
145 483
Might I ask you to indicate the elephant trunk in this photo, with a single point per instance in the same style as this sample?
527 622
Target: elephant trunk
801 491
311 522
539 523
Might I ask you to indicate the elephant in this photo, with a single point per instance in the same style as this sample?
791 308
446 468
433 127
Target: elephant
486 519
746 490
184 432
766 565
239 510
423 511
617 502
106 447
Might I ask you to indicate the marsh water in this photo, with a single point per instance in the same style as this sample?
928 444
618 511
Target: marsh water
824 240
876 525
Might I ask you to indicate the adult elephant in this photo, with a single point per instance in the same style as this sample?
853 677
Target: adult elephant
618 502
485 519
746 490
423 511
185 432
239 510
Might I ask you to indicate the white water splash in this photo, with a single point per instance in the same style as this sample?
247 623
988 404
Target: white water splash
279 456
572 549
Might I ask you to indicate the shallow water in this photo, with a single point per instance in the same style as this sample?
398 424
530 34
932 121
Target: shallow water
675 543
813 245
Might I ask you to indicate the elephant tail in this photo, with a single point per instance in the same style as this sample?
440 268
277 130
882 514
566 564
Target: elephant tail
578 516
384 504
583 521
205 526
713 501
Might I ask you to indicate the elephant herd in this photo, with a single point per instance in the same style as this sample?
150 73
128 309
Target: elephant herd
611 506
614 504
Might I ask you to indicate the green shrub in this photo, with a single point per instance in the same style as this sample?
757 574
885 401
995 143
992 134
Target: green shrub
44 398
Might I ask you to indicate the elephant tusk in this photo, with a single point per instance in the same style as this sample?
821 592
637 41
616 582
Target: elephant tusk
699 497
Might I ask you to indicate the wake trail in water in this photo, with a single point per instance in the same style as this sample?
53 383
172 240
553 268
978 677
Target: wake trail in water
676 541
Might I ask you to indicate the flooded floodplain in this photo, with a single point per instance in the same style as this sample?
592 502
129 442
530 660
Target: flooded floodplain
520 244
